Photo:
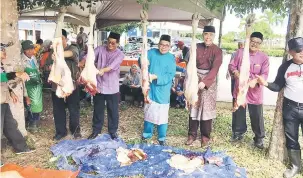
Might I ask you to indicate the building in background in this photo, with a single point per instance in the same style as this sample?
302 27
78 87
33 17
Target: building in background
34 30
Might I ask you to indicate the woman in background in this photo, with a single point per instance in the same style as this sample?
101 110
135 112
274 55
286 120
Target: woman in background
132 86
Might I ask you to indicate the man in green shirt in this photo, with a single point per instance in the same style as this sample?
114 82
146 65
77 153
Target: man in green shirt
33 86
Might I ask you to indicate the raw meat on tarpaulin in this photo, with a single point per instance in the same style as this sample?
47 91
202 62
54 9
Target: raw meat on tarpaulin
244 68
60 73
144 60
89 73
192 81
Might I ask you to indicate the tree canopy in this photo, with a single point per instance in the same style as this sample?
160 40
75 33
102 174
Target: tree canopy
29 4
122 27
273 18
241 7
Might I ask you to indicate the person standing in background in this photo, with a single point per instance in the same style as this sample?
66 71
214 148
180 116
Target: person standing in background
184 49
83 35
34 103
46 62
228 74
132 86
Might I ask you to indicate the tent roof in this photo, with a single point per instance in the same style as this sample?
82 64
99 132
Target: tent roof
113 12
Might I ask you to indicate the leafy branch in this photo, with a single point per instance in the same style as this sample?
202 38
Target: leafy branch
241 7
122 27
53 4
145 3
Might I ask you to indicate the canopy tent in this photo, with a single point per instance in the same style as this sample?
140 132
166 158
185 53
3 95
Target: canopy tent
112 12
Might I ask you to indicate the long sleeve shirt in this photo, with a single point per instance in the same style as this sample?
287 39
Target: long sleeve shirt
259 65
164 67
5 77
289 77
132 79
231 58
209 58
5 90
108 83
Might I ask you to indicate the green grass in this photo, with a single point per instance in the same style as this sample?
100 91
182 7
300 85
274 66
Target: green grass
70 160
232 47
130 129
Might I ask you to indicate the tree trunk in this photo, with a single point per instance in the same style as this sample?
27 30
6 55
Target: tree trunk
277 149
9 33
220 34
221 26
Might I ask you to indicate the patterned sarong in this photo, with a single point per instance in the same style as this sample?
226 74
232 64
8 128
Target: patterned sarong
205 107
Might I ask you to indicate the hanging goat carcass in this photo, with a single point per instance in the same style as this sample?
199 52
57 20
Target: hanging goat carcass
88 75
244 68
144 60
191 84
60 73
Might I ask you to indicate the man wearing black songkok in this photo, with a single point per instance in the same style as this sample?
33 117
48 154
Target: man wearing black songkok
115 36
209 60
72 102
259 65
161 69
107 61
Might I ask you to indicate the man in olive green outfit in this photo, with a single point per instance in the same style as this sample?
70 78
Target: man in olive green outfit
33 86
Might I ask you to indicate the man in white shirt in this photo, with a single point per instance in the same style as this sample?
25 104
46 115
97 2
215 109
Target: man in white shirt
290 77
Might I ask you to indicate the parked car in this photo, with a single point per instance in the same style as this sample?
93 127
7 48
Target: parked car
132 39
186 41
150 41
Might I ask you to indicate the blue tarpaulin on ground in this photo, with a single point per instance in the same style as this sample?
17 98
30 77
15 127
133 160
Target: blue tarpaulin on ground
97 159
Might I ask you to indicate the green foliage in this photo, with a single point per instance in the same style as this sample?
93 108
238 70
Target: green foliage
29 4
274 52
232 47
122 27
199 36
241 7
145 3
273 18
263 27
229 37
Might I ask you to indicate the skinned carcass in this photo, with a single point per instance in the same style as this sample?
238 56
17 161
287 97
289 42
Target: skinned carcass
89 73
192 81
144 60
245 67
60 73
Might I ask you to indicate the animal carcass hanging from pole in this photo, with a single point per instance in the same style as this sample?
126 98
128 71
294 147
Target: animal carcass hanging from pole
245 67
60 73
88 75
192 81
144 60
